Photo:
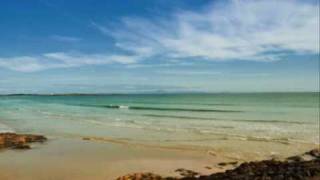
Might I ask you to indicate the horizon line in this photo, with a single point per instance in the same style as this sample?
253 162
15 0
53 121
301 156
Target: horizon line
150 93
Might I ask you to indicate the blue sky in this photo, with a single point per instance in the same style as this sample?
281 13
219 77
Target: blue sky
94 46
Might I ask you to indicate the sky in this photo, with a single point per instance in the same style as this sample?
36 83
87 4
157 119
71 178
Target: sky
137 46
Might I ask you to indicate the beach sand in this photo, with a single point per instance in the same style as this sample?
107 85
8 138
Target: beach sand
75 158
79 159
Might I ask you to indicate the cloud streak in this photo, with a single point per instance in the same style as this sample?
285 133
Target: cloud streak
62 60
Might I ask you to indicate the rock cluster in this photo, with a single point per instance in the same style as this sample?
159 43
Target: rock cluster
187 173
141 176
303 167
275 170
19 141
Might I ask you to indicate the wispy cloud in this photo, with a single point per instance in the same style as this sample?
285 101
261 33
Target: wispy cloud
62 60
23 63
237 30
188 73
168 64
68 39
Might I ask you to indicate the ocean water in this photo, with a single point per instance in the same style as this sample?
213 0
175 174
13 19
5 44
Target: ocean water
184 120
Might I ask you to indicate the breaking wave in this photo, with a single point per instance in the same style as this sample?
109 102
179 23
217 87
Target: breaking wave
161 109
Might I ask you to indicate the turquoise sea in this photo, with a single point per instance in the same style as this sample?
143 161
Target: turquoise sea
186 120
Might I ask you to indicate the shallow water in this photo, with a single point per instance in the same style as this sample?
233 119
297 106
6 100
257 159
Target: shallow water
195 121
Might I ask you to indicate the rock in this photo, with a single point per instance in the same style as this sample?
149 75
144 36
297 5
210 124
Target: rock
187 172
21 146
228 163
19 141
315 153
295 158
222 164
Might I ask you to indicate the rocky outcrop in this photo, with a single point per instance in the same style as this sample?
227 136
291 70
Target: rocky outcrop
302 167
19 141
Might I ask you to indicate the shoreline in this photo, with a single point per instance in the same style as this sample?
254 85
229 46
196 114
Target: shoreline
154 93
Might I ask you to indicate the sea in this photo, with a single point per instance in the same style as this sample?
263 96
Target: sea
189 120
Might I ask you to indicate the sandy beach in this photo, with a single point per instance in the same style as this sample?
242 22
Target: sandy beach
79 159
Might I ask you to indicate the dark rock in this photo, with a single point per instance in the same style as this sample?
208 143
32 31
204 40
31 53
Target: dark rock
187 172
21 146
141 176
295 158
222 164
228 163
315 153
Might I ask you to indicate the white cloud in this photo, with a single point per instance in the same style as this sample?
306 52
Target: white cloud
24 63
239 30
89 59
62 60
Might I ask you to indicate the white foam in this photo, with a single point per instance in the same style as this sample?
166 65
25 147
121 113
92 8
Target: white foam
123 107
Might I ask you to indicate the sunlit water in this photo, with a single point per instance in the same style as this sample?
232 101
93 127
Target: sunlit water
186 120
